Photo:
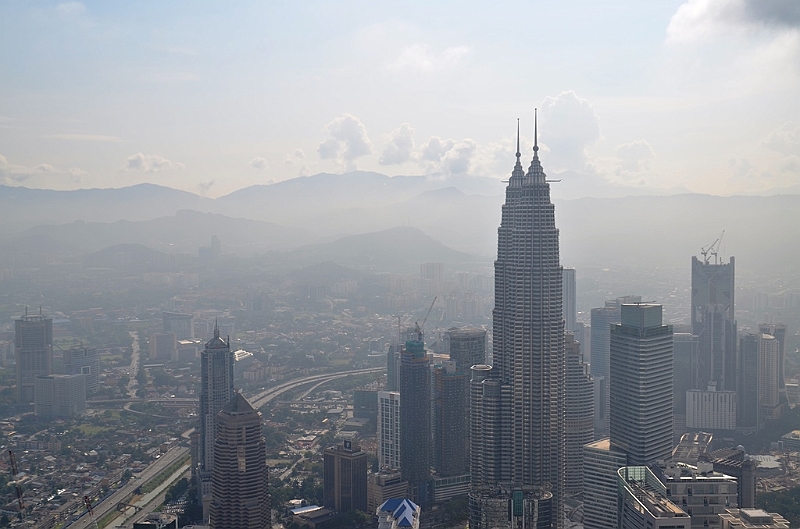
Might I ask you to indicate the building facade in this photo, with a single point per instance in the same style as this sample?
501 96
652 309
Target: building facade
83 361
60 395
769 354
641 384
600 464
240 477
467 347
644 503
579 421
344 478
710 409
570 309
415 418
180 324
449 420
748 411
388 430
33 346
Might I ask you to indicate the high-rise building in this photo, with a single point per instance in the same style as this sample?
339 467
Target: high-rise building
216 391
467 347
778 330
388 430
415 418
570 299
714 323
83 361
579 422
644 503
528 369
163 347
769 352
344 477
449 420
748 411
641 384
240 477
600 464
33 345
702 492
710 409
181 324
60 395
685 349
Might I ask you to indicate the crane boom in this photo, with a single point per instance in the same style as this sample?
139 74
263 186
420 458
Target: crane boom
14 472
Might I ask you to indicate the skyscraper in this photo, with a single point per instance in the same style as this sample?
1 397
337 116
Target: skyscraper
579 422
713 321
778 330
216 391
344 477
415 418
467 347
570 299
449 420
748 410
769 352
388 430
83 361
529 360
641 384
33 343
240 478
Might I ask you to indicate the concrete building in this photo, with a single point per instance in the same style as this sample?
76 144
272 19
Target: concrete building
528 359
415 418
734 462
180 324
467 347
60 395
33 346
769 354
700 491
163 347
384 485
83 361
216 391
644 504
748 410
570 309
711 409
641 384
449 420
240 477
579 421
685 349
778 330
714 322
600 464
752 519
344 482
388 430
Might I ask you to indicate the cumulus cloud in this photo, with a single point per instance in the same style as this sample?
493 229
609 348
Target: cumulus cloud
297 158
348 141
400 148
14 173
635 156
149 163
435 148
259 163
458 159
785 140
700 19
568 124
420 58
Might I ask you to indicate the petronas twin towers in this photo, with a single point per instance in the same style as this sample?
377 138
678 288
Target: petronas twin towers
518 404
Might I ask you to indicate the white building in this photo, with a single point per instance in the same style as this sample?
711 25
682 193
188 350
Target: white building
60 395
388 430
699 491
710 409
644 504
600 464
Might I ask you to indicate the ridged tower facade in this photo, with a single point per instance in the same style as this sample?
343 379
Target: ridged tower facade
529 356
240 479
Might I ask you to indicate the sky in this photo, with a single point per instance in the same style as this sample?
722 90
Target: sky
211 97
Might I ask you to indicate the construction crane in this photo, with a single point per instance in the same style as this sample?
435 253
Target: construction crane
14 473
422 327
712 249
88 503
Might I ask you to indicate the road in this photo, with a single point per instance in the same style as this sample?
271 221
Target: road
123 494
134 369
265 397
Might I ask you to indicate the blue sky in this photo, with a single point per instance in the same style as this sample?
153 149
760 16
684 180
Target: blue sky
212 97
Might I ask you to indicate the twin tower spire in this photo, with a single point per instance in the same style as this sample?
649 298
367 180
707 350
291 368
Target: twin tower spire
535 136
536 167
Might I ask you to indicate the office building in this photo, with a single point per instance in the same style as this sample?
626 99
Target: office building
180 324
240 477
216 391
710 409
397 512
734 462
344 477
769 353
60 395
778 331
579 421
384 485
700 491
685 348
365 404
415 418
528 369
644 503
713 322
163 347
467 347
600 464
449 420
388 430
33 346
393 367
570 309
490 444
83 361
641 384
752 519
748 411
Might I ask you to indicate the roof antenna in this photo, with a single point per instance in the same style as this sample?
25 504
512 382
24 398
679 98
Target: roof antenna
216 329
518 153
535 133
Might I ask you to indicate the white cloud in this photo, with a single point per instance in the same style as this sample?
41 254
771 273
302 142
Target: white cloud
83 137
259 163
698 20
568 124
297 158
435 148
400 147
71 8
785 140
458 160
14 173
420 58
635 156
149 163
348 141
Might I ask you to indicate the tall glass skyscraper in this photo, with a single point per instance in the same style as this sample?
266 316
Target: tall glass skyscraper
529 360
33 344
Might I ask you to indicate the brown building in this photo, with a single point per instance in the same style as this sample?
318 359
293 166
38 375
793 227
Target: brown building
240 477
345 477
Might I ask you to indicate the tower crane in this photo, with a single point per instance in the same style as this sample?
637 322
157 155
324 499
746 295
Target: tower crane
88 503
712 249
14 472
422 327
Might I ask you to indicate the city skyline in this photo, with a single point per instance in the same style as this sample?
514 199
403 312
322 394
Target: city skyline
668 97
